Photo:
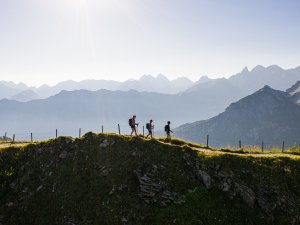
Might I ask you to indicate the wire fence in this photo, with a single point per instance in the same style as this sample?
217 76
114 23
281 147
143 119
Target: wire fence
263 145
208 140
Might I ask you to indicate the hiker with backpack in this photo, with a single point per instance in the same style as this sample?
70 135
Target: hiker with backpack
132 124
149 127
168 132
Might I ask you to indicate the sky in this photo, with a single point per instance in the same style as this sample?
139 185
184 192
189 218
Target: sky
47 41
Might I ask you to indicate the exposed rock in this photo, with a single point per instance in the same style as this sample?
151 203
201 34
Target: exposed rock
112 190
225 174
270 198
124 220
206 179
246 194
104 144
225 178
105 171
10 204
39 188
13 185
63 155
152 190
226 185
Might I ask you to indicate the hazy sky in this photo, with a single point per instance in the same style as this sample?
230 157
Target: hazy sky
46 41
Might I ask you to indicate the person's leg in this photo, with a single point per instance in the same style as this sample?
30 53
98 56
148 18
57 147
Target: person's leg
135 131
150 132
132 130
168 137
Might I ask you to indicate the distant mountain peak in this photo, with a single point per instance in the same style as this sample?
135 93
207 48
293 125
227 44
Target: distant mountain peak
162 77
274 67
245 70
258 68
267 87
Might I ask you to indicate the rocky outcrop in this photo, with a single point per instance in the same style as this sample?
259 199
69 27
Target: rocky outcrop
153 190
269 199
246 194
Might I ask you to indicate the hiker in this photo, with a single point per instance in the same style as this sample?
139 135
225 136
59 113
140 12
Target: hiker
149 127
132 124
168 132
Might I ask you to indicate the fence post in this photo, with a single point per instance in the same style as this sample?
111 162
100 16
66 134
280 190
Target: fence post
31 137
207 140
143 131
102 128
13 141
240 144
56 133
282 146
119 128
79 133
262 146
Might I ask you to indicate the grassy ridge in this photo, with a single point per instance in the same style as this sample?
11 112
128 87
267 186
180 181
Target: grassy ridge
93 180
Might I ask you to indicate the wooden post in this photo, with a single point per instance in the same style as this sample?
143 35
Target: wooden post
31 137
79 133
207 140
143 131
56 133
102 128
13 141
119 128
282 146
262 146
240 144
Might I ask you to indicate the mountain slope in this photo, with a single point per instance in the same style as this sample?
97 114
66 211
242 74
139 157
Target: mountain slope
6 91
294 91
246 82
25 96
267 115
111 179
70 85
88 110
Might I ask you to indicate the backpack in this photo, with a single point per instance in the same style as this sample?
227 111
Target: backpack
130 122
167 128
148 127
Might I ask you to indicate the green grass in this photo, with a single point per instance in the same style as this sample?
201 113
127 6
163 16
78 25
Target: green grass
77 189
210 207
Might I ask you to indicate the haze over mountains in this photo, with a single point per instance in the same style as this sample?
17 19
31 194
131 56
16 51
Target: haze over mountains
267 115
159 84
183 101
245 82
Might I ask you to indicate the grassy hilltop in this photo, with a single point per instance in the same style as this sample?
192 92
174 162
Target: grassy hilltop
112 179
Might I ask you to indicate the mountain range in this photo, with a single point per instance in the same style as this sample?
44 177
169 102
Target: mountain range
268 115
159 84
242 84
90 109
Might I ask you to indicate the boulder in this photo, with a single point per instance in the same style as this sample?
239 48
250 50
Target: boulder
206 179
246 193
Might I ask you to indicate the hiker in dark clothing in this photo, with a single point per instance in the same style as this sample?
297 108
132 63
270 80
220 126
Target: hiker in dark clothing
132 124
168 132
149 127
